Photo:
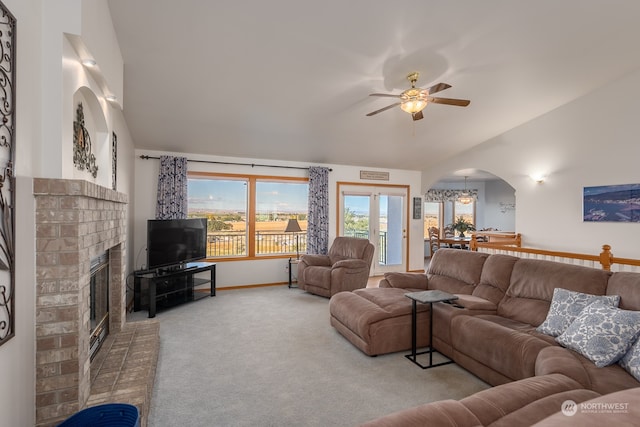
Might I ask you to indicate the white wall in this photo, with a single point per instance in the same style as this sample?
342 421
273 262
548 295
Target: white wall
48 77
17 356
591 141
499 199
239 273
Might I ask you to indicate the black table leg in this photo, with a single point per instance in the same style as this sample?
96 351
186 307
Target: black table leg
430 334
152 298
414 340
414 321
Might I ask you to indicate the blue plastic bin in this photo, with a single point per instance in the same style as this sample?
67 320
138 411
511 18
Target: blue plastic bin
108 415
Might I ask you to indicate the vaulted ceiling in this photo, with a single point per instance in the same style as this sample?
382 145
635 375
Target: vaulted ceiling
290 79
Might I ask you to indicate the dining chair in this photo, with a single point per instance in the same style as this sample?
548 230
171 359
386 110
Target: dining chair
434 239
450 233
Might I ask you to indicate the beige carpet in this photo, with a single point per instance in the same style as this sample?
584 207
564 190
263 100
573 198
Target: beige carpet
269 357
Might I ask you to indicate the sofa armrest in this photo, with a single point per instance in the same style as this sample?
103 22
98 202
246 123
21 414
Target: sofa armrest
351 263
441 413
404 280
316 260
559 360
503 402
474 303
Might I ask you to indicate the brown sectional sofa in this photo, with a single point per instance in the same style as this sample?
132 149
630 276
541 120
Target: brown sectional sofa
533 401
520 403
490 331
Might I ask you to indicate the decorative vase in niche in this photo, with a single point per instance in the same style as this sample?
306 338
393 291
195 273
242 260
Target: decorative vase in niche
462 234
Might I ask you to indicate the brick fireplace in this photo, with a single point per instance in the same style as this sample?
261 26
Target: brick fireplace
76 221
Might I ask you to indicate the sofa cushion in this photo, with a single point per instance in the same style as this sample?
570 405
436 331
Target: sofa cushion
533 281
566 305
455 271
631 360
602 333
317 276
495 278
627 285
502 345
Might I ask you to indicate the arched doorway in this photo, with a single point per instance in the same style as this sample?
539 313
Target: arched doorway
492 207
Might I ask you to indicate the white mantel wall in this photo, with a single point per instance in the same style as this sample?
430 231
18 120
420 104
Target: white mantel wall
250 272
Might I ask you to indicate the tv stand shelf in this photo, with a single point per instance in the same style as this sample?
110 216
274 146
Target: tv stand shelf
167 287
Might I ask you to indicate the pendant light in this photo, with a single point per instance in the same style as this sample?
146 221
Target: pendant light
465 197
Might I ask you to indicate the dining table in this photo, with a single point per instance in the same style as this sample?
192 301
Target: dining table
463 242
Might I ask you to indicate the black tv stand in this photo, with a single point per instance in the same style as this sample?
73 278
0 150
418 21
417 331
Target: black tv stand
169 286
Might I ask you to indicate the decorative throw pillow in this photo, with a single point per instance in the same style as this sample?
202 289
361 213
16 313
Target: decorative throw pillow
631 361
566 305
601 333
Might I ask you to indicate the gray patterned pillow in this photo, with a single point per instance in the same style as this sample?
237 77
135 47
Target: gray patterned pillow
631 361
566 305
601 333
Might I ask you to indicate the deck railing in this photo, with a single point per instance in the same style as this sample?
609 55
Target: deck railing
232 244
382 242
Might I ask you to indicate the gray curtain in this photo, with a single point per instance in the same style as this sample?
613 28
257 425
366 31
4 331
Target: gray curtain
172 188
318 221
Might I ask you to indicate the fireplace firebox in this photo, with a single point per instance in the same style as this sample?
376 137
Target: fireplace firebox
98 302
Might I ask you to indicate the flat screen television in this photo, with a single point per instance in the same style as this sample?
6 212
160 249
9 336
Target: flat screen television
171 242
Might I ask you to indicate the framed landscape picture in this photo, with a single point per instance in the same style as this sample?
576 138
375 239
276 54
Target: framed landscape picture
611 203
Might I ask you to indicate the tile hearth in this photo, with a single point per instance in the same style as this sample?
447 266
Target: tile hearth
125 367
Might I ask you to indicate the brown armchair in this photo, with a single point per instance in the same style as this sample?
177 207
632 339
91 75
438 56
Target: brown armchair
345 268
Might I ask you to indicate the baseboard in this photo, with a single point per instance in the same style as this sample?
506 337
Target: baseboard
260 285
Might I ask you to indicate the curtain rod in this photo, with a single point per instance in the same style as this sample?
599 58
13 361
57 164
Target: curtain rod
145 157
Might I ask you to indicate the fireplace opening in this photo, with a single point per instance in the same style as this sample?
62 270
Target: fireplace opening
98 302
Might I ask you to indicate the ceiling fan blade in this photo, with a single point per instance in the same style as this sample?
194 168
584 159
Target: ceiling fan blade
449 101
383 109
417 116
437 88
388 95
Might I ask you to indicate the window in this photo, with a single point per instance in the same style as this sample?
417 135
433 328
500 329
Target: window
276 203
247 215
432 216
468 211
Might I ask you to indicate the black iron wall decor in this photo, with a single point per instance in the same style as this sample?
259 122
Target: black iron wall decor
7 179
114 161
83 156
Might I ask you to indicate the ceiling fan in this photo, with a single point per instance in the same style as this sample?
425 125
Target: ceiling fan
414 100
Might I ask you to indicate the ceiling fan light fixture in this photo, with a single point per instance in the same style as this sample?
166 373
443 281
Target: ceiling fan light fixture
415 99
413 106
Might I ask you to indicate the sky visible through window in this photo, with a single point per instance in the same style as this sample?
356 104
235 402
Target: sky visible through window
359 205
281 197
231 195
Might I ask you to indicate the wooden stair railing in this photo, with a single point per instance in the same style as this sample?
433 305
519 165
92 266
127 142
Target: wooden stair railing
604 260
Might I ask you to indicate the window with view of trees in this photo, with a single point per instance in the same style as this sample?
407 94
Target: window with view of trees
247 215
